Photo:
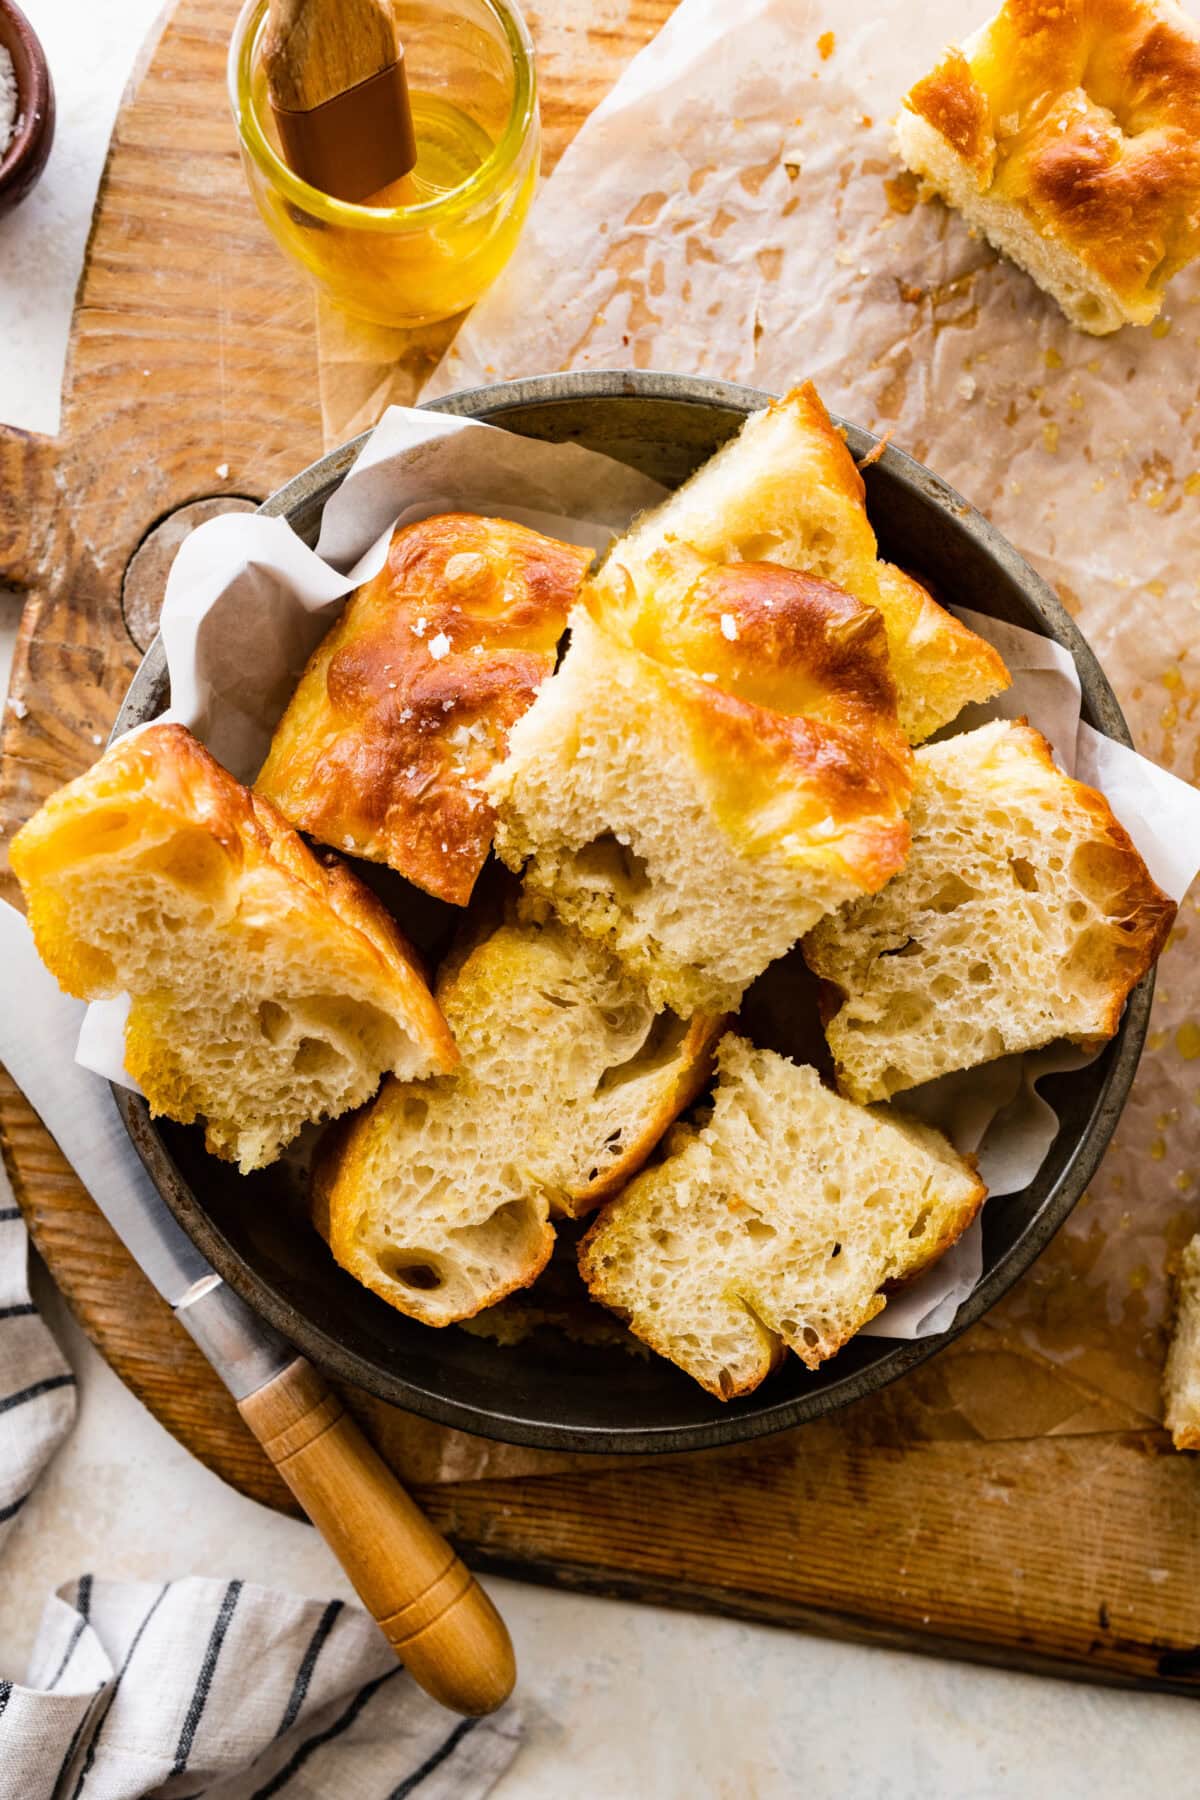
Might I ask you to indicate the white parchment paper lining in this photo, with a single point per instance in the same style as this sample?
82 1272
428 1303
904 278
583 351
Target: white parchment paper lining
247 601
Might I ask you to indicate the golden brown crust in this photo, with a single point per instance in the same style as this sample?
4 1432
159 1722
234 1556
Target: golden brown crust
1141 915
953 104
786 493
797 738
773 638
1086 115
407 703
329 1158
933 689
800 788
163 776
744 516
786 685
833 464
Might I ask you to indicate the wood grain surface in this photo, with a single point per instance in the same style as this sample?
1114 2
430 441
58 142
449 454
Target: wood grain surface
998 1503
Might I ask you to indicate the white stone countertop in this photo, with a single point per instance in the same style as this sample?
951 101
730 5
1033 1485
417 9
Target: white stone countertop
624 1702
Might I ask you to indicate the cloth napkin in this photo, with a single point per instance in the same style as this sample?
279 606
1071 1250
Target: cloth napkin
190 1686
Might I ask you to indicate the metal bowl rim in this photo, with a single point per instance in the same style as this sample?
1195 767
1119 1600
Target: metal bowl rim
144 700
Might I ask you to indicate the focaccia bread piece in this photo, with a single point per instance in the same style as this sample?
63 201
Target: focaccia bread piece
776 1225
1024 914
786 491
1181 1377
440 1196
1068 132
268 988
698 819
407 703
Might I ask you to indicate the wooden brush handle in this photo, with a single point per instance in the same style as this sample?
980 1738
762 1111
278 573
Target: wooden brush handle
432 1611
314 49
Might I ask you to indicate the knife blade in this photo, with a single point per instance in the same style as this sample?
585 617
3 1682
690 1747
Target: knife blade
37 1042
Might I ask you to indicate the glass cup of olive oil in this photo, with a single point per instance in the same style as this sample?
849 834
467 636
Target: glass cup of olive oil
428 245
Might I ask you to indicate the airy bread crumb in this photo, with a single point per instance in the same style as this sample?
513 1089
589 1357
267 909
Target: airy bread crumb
1024 914
268 989
439 1197
776 1225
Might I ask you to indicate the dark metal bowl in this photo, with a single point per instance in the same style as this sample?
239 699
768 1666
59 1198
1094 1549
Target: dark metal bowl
558 1393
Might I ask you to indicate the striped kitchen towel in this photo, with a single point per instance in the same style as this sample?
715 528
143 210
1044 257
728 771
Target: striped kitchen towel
37 1389
234 1692
195 1686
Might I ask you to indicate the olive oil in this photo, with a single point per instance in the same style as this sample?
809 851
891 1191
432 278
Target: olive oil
426 246
451 148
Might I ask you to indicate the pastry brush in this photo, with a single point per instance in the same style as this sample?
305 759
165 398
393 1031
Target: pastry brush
339 94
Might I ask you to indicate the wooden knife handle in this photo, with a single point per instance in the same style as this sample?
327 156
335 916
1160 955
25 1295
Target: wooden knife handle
430 1608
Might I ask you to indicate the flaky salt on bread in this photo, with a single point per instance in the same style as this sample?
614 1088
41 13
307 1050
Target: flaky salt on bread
697 805
267 988
440 1196
1068 132
776 1225
407 703
1181 1378
786 491
1024 914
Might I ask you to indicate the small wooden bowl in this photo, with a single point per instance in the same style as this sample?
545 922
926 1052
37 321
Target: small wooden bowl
23 161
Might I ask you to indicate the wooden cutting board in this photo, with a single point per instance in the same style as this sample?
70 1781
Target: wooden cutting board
1014 1501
